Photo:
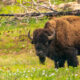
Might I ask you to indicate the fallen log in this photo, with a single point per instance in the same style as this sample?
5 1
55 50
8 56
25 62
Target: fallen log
55 13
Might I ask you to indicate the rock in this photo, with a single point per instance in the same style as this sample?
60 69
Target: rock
69 6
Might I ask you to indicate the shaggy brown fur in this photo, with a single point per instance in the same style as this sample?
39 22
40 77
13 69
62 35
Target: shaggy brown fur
67 30
64 46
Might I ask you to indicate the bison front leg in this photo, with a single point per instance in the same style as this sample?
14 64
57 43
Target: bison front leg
72 57
56 64
42 59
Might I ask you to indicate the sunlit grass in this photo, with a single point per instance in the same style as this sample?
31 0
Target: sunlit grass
26 66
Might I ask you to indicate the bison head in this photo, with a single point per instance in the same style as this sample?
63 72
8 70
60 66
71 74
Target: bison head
41 40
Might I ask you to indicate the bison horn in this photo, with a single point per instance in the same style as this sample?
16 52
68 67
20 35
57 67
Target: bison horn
29 36
52 36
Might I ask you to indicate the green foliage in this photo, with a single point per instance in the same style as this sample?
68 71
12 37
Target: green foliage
12 9
60 1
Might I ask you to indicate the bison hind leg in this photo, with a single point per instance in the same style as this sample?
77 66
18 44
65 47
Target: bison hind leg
73 61
71 56
61 62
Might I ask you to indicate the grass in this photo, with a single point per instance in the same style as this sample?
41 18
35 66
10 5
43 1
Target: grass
26 66
13 37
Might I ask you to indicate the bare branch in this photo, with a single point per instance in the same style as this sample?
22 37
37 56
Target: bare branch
34 2
43 6
23 6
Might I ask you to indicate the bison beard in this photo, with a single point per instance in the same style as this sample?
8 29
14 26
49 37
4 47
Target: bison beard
63 45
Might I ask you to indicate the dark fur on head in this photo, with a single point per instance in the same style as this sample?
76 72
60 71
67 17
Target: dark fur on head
41 41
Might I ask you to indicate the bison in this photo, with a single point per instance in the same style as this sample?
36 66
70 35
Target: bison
59 40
